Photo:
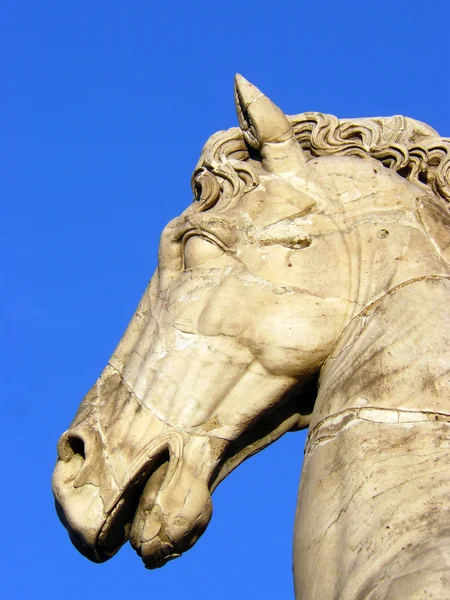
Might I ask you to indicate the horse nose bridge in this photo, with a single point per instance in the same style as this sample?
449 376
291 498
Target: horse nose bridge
144 342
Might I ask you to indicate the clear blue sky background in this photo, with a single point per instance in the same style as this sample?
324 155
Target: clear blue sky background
105 106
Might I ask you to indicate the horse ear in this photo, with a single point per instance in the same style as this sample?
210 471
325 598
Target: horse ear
267 129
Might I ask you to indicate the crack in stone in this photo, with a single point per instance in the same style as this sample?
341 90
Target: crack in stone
364 414
153 412
368 310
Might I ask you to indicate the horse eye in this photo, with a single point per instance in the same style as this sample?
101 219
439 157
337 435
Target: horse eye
198 250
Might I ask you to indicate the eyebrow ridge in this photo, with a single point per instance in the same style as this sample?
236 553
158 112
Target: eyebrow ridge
223 228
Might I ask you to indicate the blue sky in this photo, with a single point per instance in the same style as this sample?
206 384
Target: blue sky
105 107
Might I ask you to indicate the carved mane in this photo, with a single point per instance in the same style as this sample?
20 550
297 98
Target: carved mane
409 147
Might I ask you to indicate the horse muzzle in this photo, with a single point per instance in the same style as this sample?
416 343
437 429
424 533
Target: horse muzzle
111 484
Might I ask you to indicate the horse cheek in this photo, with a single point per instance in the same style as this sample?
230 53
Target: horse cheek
227 312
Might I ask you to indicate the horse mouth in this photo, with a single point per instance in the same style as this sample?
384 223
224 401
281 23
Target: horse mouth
132 508
156 514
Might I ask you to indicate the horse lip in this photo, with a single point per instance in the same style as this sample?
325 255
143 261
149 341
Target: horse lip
127 504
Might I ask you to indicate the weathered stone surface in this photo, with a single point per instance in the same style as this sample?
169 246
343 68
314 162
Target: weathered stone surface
306 285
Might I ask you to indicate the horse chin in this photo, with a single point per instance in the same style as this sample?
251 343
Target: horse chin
164 544
155 552
173 511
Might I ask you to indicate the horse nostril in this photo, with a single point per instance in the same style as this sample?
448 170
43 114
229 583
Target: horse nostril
71 445
76 444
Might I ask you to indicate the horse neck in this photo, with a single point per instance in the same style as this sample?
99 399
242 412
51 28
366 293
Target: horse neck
391 356
378 436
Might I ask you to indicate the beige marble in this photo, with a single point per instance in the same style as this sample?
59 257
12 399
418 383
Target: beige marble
307 285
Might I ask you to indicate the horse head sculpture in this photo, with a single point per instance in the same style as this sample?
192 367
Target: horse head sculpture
300 231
